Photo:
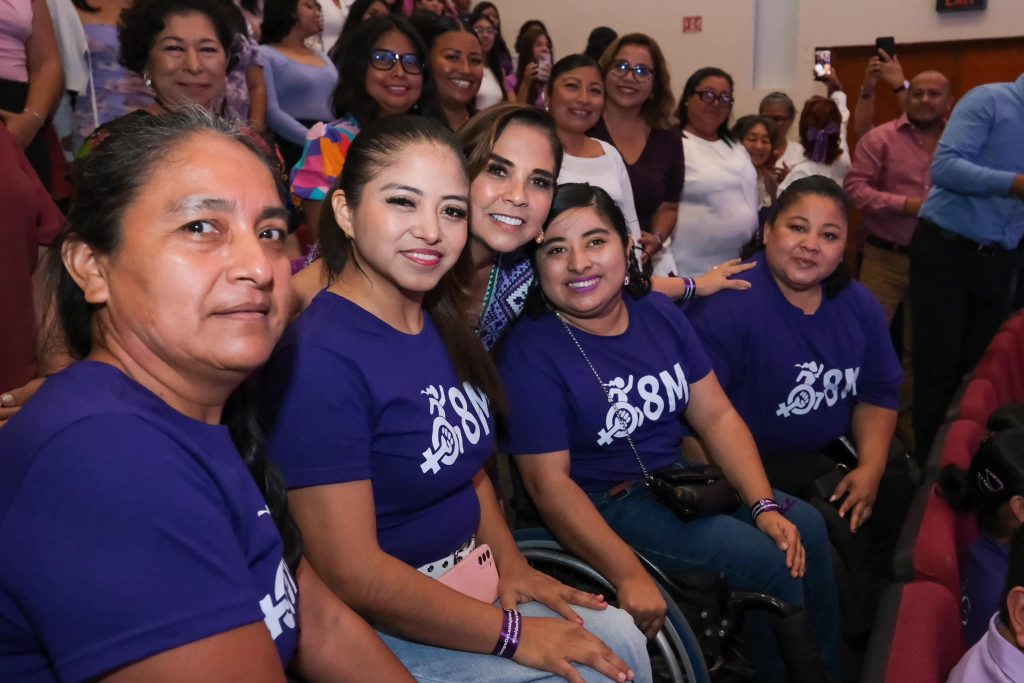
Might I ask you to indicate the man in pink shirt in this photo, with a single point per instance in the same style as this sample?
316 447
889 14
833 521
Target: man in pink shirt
889 179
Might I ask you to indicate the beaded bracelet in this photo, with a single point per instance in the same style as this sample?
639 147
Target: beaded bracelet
508 641
762 506
690 290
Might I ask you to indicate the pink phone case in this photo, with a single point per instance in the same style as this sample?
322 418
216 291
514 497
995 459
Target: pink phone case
476 576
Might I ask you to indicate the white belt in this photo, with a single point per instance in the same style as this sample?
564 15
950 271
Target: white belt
439 567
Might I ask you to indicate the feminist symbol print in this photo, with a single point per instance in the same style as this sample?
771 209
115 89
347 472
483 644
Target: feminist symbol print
622 417
445 440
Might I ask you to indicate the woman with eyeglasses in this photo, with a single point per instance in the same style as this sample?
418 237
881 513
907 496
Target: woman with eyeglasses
508 69
718 213
637 109
383 73
492 87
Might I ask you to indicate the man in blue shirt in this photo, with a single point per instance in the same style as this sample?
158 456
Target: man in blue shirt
964 262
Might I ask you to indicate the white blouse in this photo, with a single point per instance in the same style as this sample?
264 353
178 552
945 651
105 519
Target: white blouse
718 213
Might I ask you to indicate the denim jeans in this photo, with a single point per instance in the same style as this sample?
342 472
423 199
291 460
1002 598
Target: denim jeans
749 559
429 664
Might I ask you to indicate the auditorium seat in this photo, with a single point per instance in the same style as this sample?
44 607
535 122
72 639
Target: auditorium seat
978 402
917 636
927 548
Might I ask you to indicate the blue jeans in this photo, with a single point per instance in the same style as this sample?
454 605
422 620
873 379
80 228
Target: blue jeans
430 664
749 559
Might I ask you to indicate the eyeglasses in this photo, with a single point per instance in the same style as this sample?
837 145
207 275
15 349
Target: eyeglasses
641 71
709 96
485 31
385 60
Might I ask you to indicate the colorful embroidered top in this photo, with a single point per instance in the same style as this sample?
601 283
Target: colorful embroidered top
323 157
507 288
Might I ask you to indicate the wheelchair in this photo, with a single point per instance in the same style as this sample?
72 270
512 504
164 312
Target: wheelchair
700 641
713 653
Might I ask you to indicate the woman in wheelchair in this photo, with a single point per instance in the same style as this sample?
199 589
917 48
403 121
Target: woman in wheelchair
599 376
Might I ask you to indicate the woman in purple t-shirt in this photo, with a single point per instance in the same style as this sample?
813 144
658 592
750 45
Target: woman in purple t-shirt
619 371
380 403
140 465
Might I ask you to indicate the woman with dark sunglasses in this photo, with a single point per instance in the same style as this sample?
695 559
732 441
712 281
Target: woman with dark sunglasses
718 212
382 72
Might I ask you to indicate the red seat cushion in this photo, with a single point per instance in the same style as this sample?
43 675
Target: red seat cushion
995 367
1007 345
935 550
979 401
928 640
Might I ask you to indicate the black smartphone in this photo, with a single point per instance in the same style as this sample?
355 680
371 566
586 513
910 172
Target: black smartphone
822 63
887 43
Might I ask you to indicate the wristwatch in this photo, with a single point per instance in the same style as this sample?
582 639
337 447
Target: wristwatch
905 86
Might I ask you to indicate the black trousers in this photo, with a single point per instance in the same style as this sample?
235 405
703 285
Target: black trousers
959 296
13 96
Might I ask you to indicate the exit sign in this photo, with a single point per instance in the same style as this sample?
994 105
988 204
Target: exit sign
959 5
693 24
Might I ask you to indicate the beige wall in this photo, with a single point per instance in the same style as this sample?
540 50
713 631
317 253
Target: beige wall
727 40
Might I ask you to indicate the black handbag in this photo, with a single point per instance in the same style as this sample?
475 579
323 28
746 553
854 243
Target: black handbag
694 492
689 492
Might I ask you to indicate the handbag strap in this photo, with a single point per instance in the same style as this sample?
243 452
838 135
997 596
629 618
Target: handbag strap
608 395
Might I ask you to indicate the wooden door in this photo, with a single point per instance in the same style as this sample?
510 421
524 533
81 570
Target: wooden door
966 63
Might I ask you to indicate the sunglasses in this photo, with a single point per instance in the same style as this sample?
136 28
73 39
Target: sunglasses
385 60
641 71
709 96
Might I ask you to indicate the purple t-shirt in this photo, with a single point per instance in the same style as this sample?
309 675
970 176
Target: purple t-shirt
796 378
127 529
658 174
556 404
984 576
350 398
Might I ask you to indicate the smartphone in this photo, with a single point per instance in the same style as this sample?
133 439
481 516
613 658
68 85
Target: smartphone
544 67
887 43
822 63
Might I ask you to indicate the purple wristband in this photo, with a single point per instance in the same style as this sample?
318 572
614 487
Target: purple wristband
764 505
508 641
689 288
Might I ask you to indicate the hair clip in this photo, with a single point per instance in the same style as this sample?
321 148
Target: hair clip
989 482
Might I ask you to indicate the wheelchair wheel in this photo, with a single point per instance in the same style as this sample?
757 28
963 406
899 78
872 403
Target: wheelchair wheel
675 652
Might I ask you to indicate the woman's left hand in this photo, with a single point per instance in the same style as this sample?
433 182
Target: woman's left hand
523 583
23 127
720 277
787 537
860 487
